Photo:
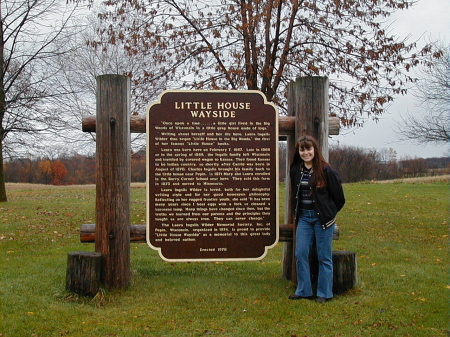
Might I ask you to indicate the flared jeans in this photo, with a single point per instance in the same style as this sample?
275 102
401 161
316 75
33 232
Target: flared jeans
308 230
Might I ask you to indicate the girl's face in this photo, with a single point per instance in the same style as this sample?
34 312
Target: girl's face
307 155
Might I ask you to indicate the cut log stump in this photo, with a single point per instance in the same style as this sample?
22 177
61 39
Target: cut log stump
345 274
83 272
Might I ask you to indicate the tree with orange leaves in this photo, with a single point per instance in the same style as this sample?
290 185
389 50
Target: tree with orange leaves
59 172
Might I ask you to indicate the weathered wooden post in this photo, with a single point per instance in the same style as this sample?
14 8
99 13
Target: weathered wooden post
112 230
308 102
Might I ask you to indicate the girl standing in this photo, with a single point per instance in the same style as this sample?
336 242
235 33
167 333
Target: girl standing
317 198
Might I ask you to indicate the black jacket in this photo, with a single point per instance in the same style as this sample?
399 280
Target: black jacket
327 201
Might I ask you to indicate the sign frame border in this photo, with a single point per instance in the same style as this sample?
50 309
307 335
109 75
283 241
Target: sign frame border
277 182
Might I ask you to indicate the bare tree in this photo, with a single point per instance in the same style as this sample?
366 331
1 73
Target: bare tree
29 30
93 55
431 124
353 163
386 156
387 166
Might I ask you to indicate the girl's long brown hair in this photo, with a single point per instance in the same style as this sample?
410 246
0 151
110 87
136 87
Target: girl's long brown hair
319 163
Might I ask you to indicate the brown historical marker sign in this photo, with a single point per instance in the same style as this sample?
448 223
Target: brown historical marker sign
212 175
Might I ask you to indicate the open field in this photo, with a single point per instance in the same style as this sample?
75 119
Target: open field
398 230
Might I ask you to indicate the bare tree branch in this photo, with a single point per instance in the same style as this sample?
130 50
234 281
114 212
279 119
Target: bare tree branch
431 122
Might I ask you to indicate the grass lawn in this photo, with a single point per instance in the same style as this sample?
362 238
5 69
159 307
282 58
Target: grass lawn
399 232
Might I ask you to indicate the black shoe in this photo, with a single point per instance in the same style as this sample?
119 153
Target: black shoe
322 300
297 297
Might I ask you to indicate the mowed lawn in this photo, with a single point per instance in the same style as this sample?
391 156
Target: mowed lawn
399 232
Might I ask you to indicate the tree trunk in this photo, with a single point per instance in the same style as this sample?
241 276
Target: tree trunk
3 197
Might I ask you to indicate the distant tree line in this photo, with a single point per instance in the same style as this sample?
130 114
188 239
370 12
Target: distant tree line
353 164
359 164
70 170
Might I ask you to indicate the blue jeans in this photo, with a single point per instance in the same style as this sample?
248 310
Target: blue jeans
308 229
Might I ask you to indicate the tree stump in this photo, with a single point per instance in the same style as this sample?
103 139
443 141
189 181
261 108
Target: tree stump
83 272
345 274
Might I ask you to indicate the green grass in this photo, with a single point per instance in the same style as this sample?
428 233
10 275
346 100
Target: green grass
399 232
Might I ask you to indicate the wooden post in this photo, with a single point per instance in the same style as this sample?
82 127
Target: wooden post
345 274
83 272
308 97
308 102
112 230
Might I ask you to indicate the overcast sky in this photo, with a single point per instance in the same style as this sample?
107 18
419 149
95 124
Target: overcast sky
429 19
